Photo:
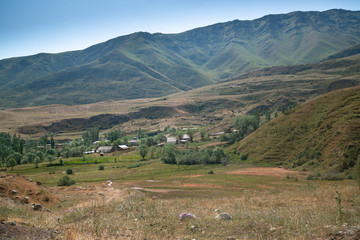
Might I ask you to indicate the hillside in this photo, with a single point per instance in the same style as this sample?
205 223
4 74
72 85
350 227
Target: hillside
213 106
323 133
152 65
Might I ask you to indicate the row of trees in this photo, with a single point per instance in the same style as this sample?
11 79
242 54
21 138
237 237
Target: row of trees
193 156
16 150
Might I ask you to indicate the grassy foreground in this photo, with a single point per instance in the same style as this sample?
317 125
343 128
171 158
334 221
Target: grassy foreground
145 201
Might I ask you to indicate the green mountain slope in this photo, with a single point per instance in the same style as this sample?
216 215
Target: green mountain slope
323 133
151 65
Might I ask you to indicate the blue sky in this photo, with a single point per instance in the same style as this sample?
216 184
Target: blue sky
32 26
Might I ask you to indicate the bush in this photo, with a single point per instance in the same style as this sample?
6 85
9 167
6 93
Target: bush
101 167
69 171
65 181
244 156
211 172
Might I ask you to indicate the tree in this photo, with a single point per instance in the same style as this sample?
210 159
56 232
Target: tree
43 141
52 141
191 132
204 134
246 124
160 138
41 155
17 157
114 135
168 154
268 115
152 151
219 154
12 163
90 136
37 160
30 157
143 150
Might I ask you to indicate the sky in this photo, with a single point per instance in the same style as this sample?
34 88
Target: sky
29 27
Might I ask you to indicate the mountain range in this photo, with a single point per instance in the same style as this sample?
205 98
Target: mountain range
143 65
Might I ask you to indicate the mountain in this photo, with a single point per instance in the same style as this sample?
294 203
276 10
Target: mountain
153 65
270 89
323 133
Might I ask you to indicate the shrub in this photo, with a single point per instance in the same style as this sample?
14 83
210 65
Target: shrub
65 181
101 167
211 172
69 171
244 156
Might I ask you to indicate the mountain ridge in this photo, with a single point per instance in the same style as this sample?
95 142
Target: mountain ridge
160 64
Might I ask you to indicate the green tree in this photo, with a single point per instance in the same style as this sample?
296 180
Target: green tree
43 141
17 157
52 141
168 154
143 150
37 160
204 134
268 115
90 136
246 124
114 135
12 163
152 151
191 132
30 157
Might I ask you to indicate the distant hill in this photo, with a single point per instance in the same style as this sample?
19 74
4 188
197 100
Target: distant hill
323 134
152 65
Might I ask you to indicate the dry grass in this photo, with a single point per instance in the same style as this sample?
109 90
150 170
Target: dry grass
292 210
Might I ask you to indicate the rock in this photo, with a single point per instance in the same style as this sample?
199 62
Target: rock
3 176
12 223
37 207
14 192
186 216
231 238
224 216
39 183
46 199
26 200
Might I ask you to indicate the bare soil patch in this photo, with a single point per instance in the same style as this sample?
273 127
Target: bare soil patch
18 188
264 171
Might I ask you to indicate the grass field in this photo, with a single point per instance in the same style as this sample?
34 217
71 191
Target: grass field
145 201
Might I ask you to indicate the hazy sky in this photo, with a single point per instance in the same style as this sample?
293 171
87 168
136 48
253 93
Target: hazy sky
32 26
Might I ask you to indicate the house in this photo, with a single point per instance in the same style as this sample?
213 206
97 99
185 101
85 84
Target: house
171 140
186 137
134 142
105 149
122 148
217 134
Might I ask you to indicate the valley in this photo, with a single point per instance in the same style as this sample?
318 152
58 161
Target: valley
229 131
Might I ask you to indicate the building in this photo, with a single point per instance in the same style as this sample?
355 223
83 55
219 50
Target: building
122 148
185 137
105 149
171 140
134 142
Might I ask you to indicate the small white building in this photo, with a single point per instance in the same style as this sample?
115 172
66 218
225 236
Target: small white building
105 149
123 147
185 137
171 140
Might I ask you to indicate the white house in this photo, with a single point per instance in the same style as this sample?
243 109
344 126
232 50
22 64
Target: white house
171 140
